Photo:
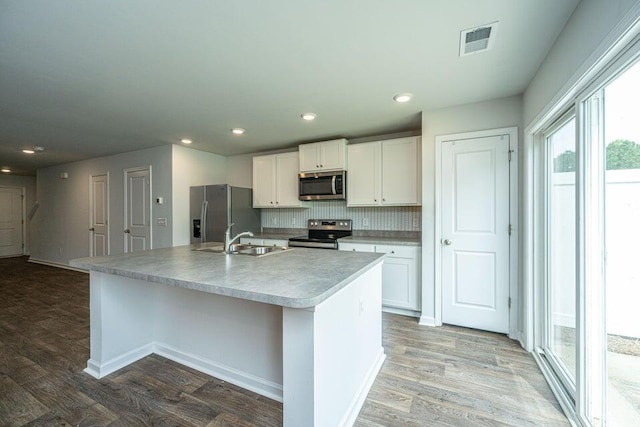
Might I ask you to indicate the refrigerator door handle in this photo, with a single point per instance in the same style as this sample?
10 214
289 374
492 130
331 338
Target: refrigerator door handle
203 216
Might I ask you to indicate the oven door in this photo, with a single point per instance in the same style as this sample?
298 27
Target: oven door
322 185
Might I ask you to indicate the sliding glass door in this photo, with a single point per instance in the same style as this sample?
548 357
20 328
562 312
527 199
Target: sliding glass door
589 272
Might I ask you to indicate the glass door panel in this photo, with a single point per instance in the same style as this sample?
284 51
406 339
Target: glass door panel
561 252
622 242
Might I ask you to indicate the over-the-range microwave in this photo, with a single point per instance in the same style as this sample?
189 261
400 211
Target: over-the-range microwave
330 185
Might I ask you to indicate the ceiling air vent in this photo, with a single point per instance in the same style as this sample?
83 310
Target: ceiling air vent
477 39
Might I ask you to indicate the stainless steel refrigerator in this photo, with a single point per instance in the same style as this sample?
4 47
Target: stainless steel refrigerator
215 207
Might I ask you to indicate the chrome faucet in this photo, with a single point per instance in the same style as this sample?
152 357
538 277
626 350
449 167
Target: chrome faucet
228 240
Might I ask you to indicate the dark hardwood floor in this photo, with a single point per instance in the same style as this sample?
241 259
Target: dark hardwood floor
445 376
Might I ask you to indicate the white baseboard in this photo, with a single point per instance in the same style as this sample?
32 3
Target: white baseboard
361 395
55 264
401 311
226 373
427 321
99 370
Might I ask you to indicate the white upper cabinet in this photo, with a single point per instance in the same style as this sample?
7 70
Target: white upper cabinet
401 159
264 181
287 180
363 177
322 156
275 181
384 173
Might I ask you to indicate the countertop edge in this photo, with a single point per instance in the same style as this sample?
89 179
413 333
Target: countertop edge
225 291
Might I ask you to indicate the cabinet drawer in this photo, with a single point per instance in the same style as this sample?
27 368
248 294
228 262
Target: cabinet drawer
397 251
275 242
251 241
356 247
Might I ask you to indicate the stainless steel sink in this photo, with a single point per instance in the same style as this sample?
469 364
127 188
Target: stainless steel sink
245 249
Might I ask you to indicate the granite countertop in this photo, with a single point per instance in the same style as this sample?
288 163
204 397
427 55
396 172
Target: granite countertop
298 278
384 240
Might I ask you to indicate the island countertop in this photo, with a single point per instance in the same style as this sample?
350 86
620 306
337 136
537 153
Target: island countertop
297 278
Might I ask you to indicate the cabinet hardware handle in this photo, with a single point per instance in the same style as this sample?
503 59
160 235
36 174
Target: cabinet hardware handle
393 252
271 202
317 166
384 200
375 200
353 249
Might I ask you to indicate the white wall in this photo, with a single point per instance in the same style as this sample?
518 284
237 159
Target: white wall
498 113
60 227
192 167
240 170
28 183
590 23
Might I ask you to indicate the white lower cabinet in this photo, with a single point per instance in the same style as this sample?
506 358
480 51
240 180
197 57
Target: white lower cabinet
401 290
264 242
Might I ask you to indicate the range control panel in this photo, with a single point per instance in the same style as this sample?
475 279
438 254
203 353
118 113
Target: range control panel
329 224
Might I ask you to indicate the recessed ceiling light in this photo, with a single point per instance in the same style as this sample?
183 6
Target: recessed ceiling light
5 170
34 149
186 141
308 116
402 97
237 131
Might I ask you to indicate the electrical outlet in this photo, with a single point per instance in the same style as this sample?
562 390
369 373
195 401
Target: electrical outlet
59 250
273 221
365 222
416 223
293 221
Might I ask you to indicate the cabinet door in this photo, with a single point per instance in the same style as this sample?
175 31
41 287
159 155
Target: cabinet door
398 283
264 181
287 180
400 171
332 155
308 157
363 177
400 277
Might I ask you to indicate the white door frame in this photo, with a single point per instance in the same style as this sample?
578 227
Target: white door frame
23 193
513 220
91 206
125 204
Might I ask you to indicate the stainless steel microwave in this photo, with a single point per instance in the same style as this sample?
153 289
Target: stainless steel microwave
329 185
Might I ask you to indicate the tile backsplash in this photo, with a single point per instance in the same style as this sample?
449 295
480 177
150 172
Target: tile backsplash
396 218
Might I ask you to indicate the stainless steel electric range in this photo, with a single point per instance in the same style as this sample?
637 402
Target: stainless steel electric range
323 233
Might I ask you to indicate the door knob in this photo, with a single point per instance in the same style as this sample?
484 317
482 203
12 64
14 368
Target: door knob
447 242
92 229
127 231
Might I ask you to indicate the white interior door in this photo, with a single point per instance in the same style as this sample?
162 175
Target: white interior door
99 215
10 221
137 210
475 233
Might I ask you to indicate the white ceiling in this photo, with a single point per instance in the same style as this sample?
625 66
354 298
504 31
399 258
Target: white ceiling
93 77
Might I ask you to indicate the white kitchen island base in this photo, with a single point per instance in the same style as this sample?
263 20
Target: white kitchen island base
319 361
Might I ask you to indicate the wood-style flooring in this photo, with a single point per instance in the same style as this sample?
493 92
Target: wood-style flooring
445 376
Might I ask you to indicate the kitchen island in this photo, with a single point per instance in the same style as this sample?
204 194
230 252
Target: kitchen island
302 327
